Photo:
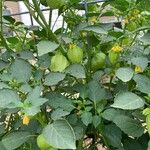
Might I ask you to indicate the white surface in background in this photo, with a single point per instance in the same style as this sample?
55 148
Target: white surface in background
27 21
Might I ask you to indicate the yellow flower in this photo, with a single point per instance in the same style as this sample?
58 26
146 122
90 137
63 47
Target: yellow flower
138 69
26 120
117 48
93 20
71 46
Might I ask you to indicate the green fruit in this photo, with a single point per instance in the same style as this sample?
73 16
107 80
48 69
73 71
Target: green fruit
148 123
146 111
113 57
75 54
55 4
41 142
132 26
98 61
58 63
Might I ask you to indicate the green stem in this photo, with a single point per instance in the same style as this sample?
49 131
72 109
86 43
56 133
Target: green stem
50 18
79 147
27 4
106 143
4 41
1 26
88 46
49 31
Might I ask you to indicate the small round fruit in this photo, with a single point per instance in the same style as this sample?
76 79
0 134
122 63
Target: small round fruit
75 54
132 26
55 4
59 63
113 57
41 142
98 61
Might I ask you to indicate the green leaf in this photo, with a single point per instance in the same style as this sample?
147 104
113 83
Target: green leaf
113 135
148 146
79 131
146 38
21 70
45 47
44 61
130 144
76 70
59 113
125 74
35 93
129 126
3 85
56 100
15 140
121 5
8 97
142 83
27 55
86 118
96 92
96 120
140 61
99 29
60 135
3 65
2 146
110 114
128 101
31 111
34 101
25 88
82 89
54 78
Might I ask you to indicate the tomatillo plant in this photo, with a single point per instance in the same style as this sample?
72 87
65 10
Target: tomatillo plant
83 85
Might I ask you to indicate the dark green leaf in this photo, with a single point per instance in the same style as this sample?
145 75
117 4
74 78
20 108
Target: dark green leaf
60 135
21 70
15 140
76 70
96 92
45 47
129 126
56 100
86 118
128 101
124 74
8 97
113 135
142 83
54 78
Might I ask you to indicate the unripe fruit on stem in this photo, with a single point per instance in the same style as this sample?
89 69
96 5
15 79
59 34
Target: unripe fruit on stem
148 123
58 63
98 61
113 57
75 54
55 4
41 142
132 26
